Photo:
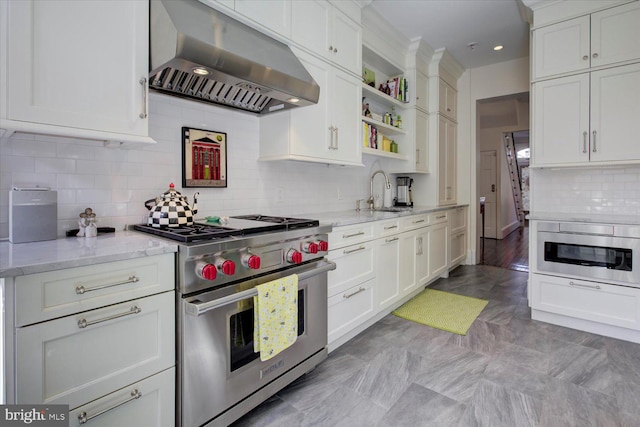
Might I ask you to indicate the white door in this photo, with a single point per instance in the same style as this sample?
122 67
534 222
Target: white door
615 109
488 190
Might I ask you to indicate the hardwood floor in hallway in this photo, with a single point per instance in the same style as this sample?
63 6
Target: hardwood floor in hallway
511 253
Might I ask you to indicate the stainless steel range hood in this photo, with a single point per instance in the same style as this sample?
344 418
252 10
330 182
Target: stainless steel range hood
200 53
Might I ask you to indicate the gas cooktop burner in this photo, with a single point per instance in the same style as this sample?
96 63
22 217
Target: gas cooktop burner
291 223
235 226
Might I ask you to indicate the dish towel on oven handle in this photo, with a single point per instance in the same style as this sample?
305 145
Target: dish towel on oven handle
275 324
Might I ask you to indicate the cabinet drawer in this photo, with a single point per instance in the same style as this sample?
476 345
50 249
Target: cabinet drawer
457 219
437 217
49 295
355 264
349 235
148 403
76 359
349 309
386 228
413 222
598 302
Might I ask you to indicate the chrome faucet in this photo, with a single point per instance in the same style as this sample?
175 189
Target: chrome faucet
387 184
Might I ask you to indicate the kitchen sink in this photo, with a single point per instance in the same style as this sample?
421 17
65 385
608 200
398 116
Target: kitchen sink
395 209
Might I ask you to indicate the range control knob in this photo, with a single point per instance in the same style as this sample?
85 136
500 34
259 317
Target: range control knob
323 245
226 266
294 257
206 271
310 247
251 261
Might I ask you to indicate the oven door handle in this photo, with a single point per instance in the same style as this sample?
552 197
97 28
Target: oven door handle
198 308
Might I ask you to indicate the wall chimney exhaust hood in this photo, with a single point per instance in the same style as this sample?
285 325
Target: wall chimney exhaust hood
199 53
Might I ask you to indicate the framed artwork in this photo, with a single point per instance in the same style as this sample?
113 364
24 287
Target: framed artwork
204 158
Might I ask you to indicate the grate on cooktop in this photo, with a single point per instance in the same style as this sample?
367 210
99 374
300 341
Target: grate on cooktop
190 233
290 223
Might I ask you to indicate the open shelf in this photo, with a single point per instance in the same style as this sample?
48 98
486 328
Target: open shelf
373 93
390 130
382 153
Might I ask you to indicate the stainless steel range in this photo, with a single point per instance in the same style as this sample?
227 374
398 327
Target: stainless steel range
220 377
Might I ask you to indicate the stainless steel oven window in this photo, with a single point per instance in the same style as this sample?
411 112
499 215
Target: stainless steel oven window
586 255
241 332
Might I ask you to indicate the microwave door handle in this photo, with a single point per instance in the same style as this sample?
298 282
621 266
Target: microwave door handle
198 308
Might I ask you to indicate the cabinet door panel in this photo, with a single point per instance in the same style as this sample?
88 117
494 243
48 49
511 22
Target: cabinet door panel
615 35
310 25
310 134
345 117
438 249
615 109
561 48
356 264
347 42
407 273
273 14
422 256
561 125
387 261
422 142
78 64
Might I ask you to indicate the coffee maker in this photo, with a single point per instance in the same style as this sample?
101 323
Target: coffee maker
403 191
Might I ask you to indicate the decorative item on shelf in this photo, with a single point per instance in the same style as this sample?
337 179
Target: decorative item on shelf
368 77
365 108
394 146
399 122
384 88
386 144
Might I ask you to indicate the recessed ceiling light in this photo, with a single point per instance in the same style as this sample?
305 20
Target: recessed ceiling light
201 71
498 47
293 100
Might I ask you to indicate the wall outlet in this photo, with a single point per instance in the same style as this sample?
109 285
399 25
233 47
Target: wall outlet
280 194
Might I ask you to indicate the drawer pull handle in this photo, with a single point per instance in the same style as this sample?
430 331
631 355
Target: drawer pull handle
143 83
391 240
442 216
83 323
346 236
390 227
418 221
584 286
81 289
347 296
83 418
350 251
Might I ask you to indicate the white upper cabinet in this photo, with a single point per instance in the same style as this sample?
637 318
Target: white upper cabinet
272 14
590 117
447 100
327 132
422 91
447 142
77 68
328 32
603 38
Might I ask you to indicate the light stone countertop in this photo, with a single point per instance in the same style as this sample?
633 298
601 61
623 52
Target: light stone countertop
351 217
26 258
585 217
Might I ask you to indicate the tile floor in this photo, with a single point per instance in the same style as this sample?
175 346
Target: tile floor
507 371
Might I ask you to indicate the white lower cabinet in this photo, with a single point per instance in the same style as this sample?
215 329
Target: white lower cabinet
458 248
407 275
76 359
593 301
421 255
349 309
355 265
146 403
387 271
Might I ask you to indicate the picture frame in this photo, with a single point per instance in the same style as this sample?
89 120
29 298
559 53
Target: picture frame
204 158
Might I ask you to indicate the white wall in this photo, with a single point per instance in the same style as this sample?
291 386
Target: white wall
115 182
500 79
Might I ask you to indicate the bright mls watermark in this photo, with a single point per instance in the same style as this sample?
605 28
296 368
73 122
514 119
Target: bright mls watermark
34 415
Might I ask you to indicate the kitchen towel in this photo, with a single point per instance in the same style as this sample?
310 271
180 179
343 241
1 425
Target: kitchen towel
275 325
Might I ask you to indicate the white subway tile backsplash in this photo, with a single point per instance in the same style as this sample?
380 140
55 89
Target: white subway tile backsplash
75 151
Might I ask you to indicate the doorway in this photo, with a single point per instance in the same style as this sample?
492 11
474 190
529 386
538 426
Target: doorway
506 242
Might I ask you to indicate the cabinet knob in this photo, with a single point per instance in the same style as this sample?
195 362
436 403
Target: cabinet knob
330 48
335 50
584 58
595 55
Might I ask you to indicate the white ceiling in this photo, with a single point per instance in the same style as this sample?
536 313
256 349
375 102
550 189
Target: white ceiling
454 24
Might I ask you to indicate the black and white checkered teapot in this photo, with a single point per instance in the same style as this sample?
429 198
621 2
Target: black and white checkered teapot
171 209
